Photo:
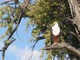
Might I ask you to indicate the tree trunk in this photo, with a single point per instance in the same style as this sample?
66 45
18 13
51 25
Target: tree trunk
75 11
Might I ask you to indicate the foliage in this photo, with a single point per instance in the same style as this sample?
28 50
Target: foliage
42 15
8 18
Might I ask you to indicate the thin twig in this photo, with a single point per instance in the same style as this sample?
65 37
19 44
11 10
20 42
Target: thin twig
19 20
33 49
19 37
38 39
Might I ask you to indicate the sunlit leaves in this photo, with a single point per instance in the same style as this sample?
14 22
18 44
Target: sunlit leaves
44 13
8 31
8 18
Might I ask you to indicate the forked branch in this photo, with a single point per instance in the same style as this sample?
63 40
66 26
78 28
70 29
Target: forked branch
7 44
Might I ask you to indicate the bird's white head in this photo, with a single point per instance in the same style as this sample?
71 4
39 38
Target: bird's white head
56 29
55 23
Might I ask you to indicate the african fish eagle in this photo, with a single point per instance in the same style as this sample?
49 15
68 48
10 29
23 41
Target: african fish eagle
56 32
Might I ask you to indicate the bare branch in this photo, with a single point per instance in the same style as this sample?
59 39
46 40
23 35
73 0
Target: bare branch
74 8
37 40
33 49
63 45
40 37
5 47
26 2
75 35
19 37
19 20
8 41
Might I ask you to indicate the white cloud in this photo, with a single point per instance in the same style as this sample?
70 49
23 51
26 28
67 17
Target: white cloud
24 53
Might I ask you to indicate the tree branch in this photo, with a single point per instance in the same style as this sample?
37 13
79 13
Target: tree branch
19 20
74 8
40 38
37 40
75 35
5 47
76 28
33 49
8 41
63 45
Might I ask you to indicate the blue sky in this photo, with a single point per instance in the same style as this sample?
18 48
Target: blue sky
21 50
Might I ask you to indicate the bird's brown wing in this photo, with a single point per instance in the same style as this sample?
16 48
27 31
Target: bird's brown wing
56 39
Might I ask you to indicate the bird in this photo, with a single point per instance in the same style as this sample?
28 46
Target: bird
55 32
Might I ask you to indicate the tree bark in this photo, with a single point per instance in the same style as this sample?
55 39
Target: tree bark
64 45
75 11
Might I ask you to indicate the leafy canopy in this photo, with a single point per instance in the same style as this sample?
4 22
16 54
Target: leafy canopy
42 14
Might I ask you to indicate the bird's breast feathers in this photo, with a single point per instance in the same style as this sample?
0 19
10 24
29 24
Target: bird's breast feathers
55 30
